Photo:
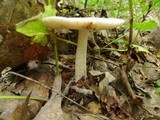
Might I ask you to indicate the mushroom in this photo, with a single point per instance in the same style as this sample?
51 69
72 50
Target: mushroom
83 25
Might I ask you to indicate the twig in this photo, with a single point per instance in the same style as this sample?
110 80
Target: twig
80 90
30 79
98 58
148 11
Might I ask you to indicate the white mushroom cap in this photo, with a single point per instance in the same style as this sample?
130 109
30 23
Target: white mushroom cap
78 23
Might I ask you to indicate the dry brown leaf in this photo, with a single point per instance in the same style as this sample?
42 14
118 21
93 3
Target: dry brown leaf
21 112
52 109
152 105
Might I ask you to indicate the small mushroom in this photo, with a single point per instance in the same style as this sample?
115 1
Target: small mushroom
83 25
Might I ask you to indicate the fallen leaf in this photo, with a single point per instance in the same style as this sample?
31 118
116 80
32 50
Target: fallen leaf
21 112
52 109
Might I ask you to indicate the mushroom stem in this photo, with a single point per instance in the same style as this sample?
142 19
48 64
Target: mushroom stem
81 55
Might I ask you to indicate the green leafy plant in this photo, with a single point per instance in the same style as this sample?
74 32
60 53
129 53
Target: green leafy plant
119 40
146 25
35 28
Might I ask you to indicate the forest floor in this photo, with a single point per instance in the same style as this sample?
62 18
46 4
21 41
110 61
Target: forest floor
118 86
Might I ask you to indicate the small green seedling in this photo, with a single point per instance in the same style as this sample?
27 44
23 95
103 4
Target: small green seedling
147 25
34 27
139 48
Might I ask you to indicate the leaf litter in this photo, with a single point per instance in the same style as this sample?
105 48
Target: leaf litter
103 95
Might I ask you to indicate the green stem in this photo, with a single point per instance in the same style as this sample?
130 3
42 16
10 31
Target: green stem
131 26
119 8
49 2
85 4
67 41
55 52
